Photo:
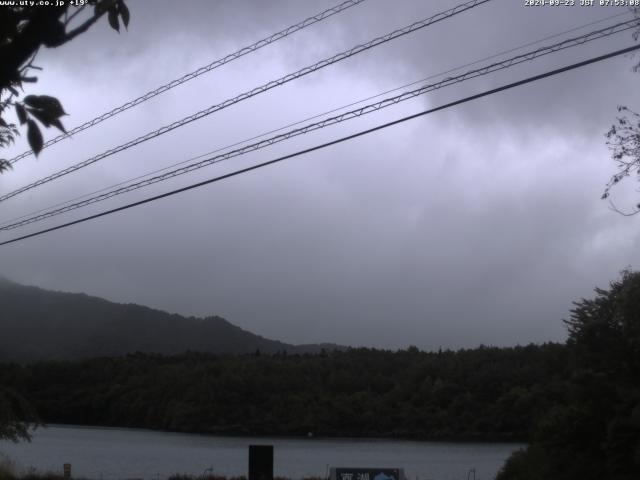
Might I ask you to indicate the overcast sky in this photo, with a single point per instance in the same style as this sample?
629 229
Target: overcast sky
475 225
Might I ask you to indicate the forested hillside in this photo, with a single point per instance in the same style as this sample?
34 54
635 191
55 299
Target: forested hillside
38 324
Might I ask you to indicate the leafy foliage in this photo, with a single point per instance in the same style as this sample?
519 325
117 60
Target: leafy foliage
24 30
624 142
593 432
8 133
17 416
623 138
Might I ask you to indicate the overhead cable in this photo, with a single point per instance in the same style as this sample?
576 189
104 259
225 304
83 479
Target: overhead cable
313 117
251 93
525 57
327 144
196 73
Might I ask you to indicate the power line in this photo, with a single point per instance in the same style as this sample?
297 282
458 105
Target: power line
200 71
525 57
333 120
307 119
251 93
298 122
333 142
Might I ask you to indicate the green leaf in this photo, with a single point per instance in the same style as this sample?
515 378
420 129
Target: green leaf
4 165
100 7
22 114
40 115
124 13
113 19
58 124
53 34
51 105
34 136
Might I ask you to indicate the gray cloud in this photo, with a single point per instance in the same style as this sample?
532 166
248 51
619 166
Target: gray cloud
475 225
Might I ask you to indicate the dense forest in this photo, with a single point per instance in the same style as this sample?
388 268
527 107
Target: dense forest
485 393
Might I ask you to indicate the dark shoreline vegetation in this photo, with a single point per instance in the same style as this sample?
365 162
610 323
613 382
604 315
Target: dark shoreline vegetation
576 404
485 394
8 472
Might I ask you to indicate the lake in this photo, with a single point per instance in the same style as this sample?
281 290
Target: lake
113 453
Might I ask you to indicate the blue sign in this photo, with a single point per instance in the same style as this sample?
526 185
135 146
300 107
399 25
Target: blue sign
368 474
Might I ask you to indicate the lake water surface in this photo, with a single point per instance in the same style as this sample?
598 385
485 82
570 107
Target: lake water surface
110 453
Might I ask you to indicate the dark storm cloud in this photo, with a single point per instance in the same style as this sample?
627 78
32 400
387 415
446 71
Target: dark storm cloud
475 225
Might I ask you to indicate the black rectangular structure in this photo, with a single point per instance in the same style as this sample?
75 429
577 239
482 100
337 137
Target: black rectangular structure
260 462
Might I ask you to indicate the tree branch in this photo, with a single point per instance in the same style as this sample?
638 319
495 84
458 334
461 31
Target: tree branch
625 214
24 44
74 14
82 28
85 26
29 65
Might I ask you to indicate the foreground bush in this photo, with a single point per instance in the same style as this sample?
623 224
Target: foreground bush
593 431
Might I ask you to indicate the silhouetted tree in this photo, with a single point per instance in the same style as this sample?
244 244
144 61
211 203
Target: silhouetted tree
17 416
24 30
593 429
623 138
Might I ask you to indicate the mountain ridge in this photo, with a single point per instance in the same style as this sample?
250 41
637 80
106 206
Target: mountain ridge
39 324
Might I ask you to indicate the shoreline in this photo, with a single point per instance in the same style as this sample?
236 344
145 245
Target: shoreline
114 453
364 438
